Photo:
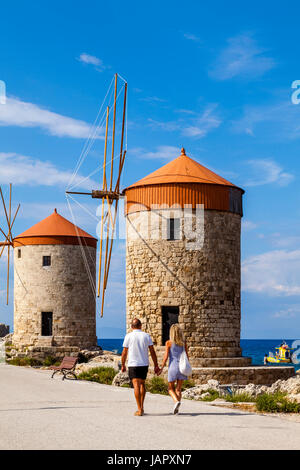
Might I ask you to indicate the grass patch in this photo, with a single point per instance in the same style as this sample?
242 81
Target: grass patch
277 402
157 385
25 361
240 397
102 375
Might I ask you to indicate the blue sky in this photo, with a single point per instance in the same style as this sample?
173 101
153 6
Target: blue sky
211 77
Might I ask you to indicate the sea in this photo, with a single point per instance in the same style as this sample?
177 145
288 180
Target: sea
254 348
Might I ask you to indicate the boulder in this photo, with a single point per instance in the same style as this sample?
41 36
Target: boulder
252 390
213 385
289 386
99 361
295 397
120 379
205 395
91 353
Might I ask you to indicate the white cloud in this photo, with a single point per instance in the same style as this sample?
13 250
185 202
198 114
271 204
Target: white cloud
90 59
280 120
267 171
153 99
194 125
191 37
30 171
24 114
163 152
242 57
247 225
274 273
288 312
284 241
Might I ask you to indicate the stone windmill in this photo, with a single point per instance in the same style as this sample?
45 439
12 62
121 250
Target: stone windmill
54 288
183 266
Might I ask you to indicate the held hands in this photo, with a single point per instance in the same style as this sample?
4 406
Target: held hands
157 370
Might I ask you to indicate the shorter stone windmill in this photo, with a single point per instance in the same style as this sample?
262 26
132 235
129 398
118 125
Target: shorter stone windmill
7 233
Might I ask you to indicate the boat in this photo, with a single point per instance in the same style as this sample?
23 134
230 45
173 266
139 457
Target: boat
282 355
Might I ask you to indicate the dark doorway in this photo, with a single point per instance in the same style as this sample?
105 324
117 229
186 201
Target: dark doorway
169 317
47 320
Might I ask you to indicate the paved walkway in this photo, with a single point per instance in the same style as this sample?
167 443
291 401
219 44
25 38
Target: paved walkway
39 413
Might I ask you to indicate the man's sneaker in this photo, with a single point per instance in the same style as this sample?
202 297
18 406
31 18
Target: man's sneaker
176 407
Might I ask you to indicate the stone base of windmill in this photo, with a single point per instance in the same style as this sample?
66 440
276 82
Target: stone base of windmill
45 350
228 370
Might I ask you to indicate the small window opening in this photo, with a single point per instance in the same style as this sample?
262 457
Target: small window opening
46 260
19 252
173 232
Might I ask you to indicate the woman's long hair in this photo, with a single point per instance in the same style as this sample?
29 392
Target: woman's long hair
176 335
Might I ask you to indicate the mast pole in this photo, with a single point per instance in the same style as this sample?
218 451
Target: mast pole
102 212
113 133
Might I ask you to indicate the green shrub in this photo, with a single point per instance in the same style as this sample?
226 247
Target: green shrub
25 361
239 397
157 385
213 395
51 361
102 375
187 384
277 402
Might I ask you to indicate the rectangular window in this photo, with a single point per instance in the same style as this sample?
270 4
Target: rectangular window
173 230
169 317
47 320
19 253
46 260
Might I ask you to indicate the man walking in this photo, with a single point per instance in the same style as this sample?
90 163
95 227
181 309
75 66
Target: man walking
136 346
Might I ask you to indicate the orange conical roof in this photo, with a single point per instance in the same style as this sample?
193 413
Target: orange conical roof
55 227
182 169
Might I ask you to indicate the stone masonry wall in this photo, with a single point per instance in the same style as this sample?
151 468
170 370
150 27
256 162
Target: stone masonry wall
204 283
62 288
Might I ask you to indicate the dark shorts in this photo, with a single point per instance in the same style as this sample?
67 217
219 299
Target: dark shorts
138 372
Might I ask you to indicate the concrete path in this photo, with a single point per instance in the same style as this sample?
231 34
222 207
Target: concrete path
39 413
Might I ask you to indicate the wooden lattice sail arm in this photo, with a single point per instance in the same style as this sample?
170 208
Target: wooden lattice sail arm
8 236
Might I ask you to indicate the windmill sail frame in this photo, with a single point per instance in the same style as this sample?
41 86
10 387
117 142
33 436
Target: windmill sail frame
109 194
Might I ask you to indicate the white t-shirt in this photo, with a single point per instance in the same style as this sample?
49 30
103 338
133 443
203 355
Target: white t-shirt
137 343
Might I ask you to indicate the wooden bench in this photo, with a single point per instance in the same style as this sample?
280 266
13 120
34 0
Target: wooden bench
66 367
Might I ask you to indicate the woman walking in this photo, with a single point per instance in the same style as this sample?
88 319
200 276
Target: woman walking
174 348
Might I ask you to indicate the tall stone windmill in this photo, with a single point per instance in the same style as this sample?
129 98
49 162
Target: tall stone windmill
183 266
